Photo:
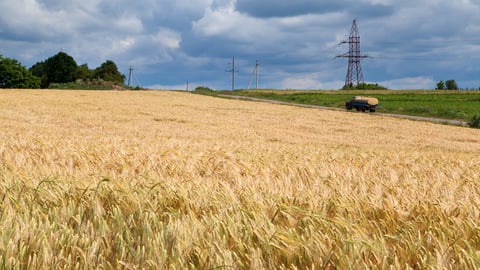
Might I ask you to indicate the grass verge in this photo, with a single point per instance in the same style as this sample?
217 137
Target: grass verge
457 105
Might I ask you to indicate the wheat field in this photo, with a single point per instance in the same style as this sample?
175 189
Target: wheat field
172 180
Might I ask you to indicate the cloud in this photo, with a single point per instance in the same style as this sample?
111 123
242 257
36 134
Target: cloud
171 87
409 83
167 38
300 82
414 43
285 8
309 82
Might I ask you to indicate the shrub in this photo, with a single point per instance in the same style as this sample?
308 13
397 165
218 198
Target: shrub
474 121
365 86
204 90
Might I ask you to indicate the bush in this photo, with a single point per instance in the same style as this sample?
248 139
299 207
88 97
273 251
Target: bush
364 86
474 121
204 91
203 88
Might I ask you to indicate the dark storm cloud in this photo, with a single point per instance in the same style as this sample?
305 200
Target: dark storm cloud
285 8
371 11
414 43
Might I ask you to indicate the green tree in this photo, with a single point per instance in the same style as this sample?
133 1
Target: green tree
440 85
38 70
60 68
451 85
108 71
84 73
14 75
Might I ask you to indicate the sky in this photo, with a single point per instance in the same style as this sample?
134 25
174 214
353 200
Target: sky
411 44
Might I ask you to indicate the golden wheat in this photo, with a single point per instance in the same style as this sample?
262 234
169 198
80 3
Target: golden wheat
172 180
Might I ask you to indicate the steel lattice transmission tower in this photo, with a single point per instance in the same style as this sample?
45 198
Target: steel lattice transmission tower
354 72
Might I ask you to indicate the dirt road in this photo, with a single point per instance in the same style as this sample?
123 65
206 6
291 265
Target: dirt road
410 117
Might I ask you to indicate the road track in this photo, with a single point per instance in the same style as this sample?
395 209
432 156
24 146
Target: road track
410 117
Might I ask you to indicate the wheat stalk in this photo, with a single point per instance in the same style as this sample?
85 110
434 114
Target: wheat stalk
171 180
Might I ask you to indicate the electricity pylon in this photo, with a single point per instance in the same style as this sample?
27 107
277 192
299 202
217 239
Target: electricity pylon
354 72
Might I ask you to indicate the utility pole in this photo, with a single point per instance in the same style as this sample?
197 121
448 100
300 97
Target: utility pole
254 74
257 65
130 75
232 70
354 71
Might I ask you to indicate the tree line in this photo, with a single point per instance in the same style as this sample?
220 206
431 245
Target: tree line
60 68
447 85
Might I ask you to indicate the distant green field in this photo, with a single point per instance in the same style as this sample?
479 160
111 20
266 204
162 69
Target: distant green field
460 105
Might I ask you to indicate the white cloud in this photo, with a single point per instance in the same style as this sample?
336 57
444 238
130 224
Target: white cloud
225 21
309 82
170 87
123 44
218 21
127 23
168 38
409 83
26 18
304 82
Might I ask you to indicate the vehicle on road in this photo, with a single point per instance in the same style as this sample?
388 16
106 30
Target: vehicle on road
361 103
